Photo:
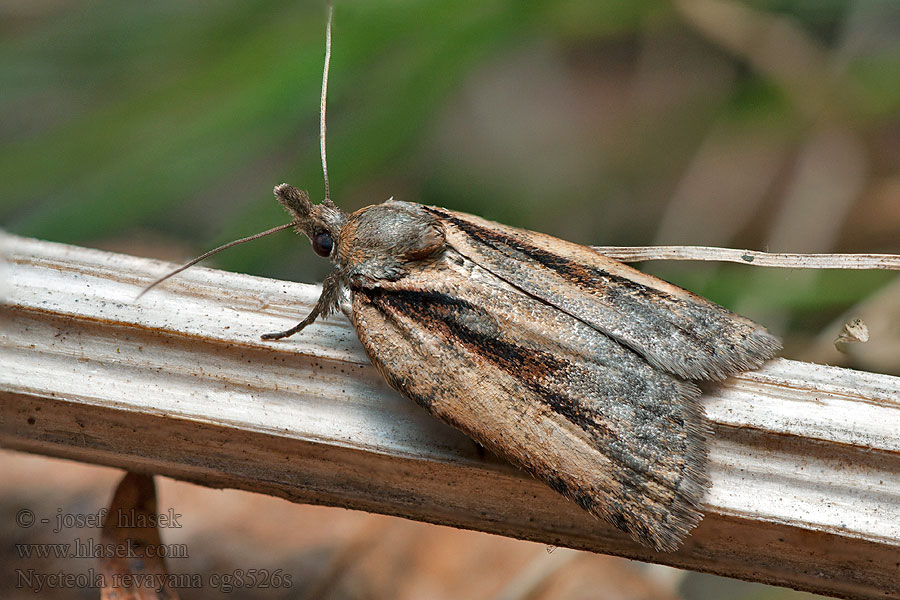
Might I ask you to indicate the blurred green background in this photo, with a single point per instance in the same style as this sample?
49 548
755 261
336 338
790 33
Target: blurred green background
159 129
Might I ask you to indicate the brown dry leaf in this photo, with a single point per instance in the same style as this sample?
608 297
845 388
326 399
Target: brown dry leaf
130 566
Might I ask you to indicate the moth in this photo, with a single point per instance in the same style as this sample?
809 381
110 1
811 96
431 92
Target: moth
571 365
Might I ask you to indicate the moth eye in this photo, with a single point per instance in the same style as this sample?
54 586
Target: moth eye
323 244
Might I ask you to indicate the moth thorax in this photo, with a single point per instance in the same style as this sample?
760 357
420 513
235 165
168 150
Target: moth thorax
395 231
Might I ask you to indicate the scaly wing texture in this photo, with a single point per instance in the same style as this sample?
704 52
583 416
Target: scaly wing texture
672 328
553 395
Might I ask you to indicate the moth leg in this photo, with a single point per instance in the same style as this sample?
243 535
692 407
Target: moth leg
327 304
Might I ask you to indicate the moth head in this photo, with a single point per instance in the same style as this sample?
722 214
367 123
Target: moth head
321 223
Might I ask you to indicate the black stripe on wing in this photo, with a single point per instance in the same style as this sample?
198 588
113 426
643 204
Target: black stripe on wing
475 329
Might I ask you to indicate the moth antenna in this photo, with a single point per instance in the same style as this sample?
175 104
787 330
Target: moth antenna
255 236
323 101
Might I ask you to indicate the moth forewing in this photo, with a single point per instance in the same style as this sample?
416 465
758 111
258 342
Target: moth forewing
675 330
554 396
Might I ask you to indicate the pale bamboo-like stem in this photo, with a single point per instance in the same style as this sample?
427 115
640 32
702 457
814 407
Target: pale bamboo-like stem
889 262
